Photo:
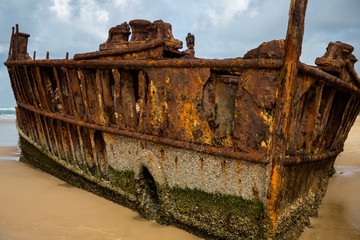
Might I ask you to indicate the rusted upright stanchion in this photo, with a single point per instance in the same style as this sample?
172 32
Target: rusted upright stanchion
11 50
284 98
17 42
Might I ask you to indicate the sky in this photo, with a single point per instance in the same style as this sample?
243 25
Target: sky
222 28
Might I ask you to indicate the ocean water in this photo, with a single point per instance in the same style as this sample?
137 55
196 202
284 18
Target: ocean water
7 114
9 136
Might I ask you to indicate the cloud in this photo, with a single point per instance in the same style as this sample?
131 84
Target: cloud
241 28
62 9
334 15
222 12
4 48
83 14
124 3
91 13
222 28
68 26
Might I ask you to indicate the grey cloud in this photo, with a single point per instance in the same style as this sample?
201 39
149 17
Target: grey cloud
223 36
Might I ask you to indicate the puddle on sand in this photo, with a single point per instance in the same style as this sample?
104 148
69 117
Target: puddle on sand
347 170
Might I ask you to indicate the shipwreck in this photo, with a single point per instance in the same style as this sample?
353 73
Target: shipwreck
236 148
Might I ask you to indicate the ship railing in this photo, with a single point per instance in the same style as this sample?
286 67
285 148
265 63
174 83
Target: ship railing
43 86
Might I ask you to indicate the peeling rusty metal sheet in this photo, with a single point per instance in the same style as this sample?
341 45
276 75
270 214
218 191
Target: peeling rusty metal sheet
270 121
257 158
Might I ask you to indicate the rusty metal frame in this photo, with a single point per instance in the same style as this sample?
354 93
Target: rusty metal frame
114 52
284 100
251 157
235 63
286 76
329 79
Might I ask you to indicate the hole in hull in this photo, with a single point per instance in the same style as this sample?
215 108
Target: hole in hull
148 195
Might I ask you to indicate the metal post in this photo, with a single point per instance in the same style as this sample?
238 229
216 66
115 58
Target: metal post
284 100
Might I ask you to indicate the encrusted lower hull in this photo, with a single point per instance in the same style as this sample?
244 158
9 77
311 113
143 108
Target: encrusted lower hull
209 213
237 148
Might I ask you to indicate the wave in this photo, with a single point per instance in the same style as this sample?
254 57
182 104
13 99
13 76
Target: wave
7 113
7 109
7 116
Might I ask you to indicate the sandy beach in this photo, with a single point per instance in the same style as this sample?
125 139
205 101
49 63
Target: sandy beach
9 152
339 213
36 205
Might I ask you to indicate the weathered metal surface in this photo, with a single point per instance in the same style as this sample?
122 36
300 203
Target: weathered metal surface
218 64
264 128
149 106
284 102
18 45
252 157
338 59
330 79
117 36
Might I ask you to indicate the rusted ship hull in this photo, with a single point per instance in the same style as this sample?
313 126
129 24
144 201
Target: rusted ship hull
232 149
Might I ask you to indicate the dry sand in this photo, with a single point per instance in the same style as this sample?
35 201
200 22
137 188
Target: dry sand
35 205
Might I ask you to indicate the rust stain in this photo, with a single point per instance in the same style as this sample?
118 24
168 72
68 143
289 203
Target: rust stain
224 172
284 102
255 192
201 161
264 108
176 164
162 156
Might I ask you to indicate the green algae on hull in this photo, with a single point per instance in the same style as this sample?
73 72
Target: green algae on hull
212 216
124 180
225 216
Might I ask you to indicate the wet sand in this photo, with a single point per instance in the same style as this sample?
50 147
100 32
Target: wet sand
339 213
8 133
36 205
9 153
